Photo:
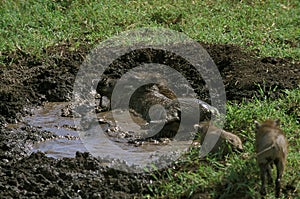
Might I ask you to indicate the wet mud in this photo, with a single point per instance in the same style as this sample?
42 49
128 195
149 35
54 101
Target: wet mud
28 81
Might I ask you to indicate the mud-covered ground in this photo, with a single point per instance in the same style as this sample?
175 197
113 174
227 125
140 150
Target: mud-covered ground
27 81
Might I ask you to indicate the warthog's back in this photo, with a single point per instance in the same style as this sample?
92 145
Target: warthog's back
271 145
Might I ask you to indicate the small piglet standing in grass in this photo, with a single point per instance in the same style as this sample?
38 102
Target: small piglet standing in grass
271 148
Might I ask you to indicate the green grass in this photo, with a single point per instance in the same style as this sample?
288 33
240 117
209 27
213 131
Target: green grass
271 27
238 175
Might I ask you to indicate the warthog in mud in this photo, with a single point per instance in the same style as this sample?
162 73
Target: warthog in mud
105 88
271 148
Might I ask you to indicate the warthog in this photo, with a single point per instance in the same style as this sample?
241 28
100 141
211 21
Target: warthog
105 88
271 148
218 140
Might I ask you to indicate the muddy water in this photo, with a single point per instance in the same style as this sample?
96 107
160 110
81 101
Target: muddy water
48 118
98 144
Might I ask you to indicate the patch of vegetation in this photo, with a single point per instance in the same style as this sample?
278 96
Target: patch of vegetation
270 27
237 175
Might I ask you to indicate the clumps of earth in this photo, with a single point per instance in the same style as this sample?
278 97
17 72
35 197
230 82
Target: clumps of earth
28 81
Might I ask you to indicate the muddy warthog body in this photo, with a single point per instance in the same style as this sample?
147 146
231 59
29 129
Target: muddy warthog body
271 148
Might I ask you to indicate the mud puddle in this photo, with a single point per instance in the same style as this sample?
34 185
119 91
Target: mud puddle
48 118
104 145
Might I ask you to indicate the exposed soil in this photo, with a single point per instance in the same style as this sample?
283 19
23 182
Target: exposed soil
27 81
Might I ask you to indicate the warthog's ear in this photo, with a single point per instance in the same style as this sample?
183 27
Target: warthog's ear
277 122
257 124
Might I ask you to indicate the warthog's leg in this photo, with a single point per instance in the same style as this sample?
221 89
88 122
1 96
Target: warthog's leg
100 104
263 170
280 167
269 174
